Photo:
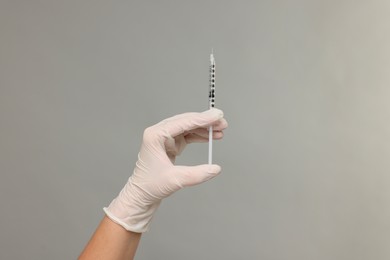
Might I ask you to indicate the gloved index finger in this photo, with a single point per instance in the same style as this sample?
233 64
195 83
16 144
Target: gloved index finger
177 125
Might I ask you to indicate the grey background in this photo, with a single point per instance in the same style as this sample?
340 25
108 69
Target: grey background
303 84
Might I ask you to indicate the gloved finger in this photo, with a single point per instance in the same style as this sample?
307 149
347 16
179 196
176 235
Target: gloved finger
174 146
204 132
220 124
194 138
192 175
179 116
181 123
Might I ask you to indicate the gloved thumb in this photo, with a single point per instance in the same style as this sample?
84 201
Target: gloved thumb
192 175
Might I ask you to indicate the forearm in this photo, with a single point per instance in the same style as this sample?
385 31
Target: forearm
111 241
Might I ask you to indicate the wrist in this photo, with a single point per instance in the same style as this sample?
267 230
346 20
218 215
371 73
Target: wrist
132 210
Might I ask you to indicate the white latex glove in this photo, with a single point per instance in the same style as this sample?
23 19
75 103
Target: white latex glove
155 176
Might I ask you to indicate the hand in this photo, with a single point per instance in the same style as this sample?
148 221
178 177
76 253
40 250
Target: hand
155 176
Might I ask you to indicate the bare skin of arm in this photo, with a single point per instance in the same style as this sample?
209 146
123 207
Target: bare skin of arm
111 241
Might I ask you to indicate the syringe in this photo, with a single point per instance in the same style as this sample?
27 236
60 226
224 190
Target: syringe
211 102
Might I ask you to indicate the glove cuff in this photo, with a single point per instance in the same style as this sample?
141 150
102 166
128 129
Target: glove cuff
132 215
131 223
